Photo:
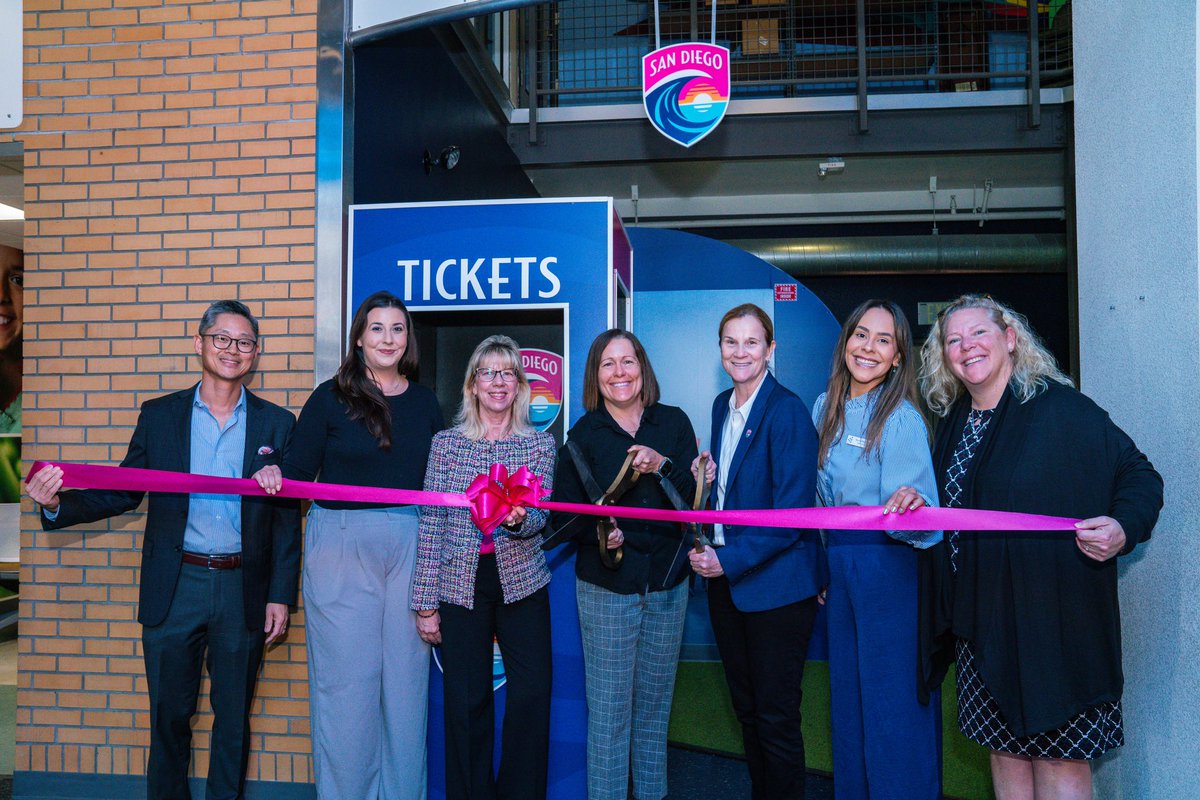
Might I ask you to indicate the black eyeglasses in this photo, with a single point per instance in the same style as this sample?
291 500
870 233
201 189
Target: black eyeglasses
222 342
487 374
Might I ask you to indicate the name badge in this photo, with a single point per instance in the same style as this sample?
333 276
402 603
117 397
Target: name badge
856 441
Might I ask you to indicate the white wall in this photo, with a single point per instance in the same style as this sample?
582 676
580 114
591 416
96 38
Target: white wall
11 63
1139 329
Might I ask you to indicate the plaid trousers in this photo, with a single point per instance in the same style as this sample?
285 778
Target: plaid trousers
630 652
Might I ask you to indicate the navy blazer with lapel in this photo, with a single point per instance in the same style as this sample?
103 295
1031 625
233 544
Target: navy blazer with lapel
774 466
270 526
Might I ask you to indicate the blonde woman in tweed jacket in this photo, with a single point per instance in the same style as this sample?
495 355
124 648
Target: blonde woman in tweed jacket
471 588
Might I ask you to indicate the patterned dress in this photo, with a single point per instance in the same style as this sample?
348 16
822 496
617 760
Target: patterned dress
1085 736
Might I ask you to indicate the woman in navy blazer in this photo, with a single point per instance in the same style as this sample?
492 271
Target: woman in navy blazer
762 582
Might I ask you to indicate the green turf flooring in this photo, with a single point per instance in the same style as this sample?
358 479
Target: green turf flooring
702 717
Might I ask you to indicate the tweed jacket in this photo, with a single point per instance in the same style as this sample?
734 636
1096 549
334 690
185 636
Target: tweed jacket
448 551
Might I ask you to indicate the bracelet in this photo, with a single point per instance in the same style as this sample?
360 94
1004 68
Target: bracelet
431 613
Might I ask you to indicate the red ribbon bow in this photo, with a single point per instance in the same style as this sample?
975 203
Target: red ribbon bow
493 496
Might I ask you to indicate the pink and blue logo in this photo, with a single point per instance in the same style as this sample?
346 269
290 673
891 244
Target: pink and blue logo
545 373
685 89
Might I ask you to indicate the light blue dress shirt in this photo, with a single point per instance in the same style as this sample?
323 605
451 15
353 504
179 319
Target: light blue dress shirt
214 523
853 477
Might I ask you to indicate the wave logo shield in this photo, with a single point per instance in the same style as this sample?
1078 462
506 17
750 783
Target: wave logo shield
545 373
685 90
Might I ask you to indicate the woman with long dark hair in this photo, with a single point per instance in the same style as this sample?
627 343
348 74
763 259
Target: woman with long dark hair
873 449
370 425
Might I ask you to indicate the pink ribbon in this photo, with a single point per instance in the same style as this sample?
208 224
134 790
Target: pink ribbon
131 479
493 496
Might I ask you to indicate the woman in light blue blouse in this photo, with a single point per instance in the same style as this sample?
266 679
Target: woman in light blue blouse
874 450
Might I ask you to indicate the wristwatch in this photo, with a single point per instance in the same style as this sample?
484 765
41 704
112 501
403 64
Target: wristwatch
664 469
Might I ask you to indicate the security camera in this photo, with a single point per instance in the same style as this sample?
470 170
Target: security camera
833 164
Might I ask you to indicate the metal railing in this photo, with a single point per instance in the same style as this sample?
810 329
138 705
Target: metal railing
588 52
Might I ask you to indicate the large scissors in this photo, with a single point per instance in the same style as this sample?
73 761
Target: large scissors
625 480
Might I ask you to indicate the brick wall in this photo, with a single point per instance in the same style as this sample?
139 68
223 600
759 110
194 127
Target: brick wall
169 153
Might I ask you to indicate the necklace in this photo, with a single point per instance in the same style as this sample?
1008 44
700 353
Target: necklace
631 426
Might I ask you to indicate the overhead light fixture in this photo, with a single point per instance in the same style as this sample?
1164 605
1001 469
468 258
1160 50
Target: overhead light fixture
8 212
447 159
831 166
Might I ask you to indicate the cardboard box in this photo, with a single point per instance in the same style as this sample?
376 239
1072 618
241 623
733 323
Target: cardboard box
760 37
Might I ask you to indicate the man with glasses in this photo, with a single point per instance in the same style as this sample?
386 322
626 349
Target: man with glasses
218 571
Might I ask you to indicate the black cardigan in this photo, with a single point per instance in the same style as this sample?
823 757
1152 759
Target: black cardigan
1043 619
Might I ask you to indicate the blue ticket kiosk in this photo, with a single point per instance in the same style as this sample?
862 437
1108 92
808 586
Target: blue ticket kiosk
552 274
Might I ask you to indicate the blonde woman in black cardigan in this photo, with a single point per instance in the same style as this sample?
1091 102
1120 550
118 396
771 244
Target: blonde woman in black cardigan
1031 618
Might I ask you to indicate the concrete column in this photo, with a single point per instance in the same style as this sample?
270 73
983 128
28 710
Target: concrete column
1139 328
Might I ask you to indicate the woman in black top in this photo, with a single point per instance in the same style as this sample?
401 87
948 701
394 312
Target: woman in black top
631 616
1031 618
371 425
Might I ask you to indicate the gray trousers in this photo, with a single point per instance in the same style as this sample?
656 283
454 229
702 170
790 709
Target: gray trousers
368 668
630 652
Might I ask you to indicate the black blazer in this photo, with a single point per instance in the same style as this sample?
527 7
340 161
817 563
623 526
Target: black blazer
270 526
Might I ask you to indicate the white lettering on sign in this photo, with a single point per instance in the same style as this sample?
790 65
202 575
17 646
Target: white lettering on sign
539 364
662 62
708 58
505 278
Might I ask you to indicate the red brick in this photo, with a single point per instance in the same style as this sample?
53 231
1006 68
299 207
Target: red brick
217 80
139 137
168 146
95 69
265 113
139 68
112 17
164 83
213 116
165 14
139 33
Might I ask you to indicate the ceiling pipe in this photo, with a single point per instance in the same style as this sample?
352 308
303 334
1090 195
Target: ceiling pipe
892 255
625 208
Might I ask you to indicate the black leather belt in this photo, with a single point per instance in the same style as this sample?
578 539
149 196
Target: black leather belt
232 561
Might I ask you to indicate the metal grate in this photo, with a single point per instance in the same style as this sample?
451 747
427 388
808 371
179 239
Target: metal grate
589 51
